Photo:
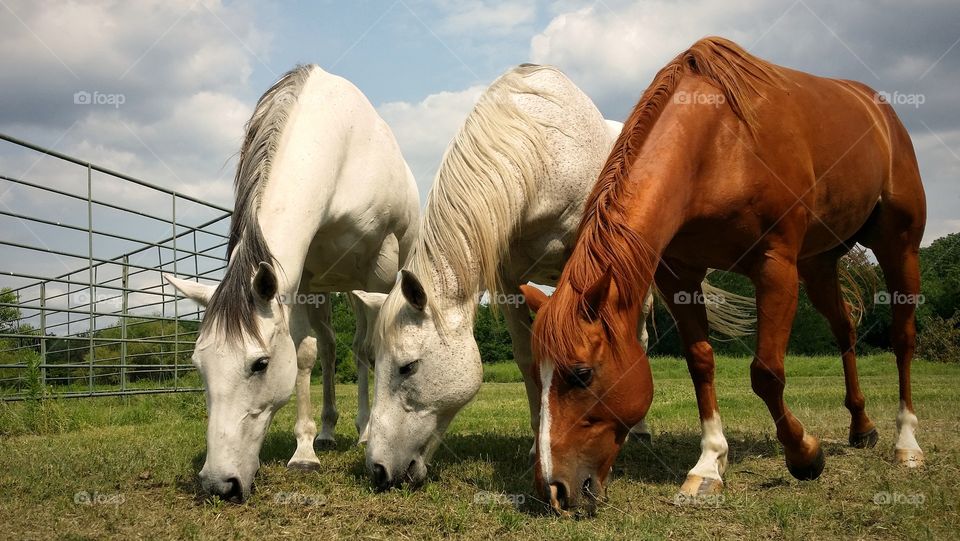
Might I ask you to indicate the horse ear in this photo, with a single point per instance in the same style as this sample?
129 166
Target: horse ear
534 298
413 290
367 305
265 284
195 291
370 301
596 295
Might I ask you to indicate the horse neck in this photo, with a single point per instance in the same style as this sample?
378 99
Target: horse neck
289 219
654 205
461 290
454 297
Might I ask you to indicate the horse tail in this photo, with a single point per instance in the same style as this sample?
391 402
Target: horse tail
729 314
859 280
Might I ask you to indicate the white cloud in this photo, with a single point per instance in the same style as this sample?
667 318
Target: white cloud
939 157
424 129
613 49
490 17
181 69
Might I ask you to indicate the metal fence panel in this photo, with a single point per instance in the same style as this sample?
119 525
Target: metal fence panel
85 310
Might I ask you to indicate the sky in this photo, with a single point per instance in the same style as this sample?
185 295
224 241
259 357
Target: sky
173 81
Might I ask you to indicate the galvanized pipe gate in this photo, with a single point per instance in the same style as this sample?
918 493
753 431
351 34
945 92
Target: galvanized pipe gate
98 320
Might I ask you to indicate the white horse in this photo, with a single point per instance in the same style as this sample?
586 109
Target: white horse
324 202
503 211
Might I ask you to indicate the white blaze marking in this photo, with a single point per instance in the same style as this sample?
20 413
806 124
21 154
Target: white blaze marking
546 459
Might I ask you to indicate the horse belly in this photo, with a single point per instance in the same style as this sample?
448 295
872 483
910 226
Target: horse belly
845 196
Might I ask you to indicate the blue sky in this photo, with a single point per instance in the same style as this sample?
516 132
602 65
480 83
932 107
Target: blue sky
392 50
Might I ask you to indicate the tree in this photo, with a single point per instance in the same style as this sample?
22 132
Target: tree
8 314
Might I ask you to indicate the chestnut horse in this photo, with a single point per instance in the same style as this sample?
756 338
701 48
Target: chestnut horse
726 162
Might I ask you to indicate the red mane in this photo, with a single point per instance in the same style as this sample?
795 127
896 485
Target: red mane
604 240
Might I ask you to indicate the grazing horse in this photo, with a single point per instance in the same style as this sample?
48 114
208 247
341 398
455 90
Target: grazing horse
324 202
728 162
503 211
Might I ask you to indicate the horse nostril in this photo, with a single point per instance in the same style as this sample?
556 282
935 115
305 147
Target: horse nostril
381 479
587 488
234 491
559 496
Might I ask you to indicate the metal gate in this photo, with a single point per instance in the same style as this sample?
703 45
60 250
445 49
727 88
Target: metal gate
84 310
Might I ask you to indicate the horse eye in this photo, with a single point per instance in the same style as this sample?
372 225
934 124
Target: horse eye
581 376
259 365
410 368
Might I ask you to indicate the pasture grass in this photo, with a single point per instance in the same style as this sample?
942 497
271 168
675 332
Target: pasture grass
136 459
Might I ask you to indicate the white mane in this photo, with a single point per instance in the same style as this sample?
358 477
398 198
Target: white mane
488 173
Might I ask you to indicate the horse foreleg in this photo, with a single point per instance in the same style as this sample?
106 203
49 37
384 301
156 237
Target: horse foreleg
305 429
517 317
641 431
682 294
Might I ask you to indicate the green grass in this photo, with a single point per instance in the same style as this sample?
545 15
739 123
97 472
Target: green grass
502 373
140 455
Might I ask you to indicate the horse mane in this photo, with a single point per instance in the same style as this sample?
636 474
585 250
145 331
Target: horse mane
487 174
605 243
232 305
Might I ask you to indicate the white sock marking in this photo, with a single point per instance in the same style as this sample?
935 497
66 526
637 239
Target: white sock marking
906 427
713 449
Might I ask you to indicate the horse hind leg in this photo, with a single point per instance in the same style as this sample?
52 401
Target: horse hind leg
776 281
365 320
899 259
327 349
894 232
823 289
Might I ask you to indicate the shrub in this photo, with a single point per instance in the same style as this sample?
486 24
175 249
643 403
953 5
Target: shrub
939 340
346 369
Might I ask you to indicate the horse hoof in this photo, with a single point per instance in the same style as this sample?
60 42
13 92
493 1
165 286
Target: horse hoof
324 444
695 486
643 437
865 440
810 471
303 465
909 458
